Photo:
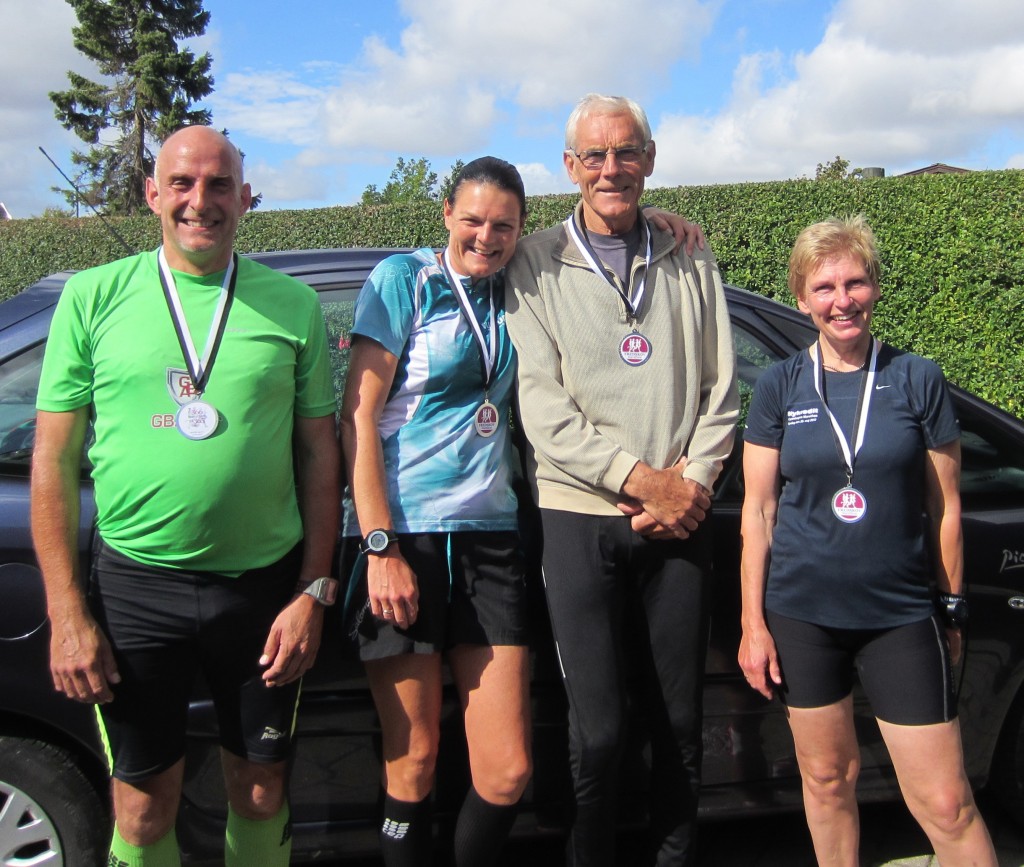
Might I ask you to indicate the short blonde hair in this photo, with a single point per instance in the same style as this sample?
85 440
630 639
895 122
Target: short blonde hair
833 237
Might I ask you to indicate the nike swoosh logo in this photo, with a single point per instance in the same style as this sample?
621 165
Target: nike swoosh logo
880 387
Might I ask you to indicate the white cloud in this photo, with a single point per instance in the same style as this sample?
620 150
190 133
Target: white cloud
276 106
539 180
899 96
929 28
997 86
285 183
35 53
460 67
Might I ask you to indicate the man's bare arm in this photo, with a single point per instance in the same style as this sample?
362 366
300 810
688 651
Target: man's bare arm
81 660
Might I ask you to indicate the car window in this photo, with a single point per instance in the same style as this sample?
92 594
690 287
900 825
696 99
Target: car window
19 382
753 357
795 331
992 465
339 308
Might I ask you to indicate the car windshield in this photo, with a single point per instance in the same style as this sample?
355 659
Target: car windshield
19 382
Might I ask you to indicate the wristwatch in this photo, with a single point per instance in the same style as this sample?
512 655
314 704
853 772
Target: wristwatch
377 541
323 590
953 609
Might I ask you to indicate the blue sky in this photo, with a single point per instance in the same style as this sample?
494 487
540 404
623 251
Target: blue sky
323 96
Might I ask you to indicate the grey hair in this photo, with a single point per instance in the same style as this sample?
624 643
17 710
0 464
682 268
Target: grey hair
597 103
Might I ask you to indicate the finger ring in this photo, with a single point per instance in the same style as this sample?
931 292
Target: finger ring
386 611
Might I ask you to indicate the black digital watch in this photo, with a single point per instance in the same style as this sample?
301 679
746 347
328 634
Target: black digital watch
953 609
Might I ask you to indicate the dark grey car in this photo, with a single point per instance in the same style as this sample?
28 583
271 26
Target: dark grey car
53 784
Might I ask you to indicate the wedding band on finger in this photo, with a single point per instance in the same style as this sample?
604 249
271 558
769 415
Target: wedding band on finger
387 612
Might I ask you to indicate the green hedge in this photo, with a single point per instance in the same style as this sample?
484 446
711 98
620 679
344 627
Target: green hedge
953 267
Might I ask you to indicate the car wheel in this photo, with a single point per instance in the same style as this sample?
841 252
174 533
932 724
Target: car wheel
50 814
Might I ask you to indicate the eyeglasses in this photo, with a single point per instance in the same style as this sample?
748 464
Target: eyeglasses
594 159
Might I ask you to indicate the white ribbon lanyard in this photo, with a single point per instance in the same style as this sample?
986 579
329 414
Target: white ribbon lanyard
198 368
632 304
849 454
488 349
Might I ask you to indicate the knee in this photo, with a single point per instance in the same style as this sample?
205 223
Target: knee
951 812
143 819
597 753
505 780
685 732
519 773
830 781
263 804
256 792
410 776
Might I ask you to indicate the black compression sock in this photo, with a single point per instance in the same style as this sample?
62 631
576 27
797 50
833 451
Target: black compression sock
481 831
406 833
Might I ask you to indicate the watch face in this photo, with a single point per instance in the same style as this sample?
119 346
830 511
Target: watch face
377 540
328 591
956 611
323 590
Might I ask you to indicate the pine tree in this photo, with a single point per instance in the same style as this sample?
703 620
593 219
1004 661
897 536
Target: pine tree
147 91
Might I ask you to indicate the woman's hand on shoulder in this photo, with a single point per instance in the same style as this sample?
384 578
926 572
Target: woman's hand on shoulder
684 232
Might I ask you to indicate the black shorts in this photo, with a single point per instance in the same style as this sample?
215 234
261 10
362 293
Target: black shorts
905 671
166 626
472 591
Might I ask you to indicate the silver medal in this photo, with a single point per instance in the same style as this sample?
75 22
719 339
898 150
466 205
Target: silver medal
196 420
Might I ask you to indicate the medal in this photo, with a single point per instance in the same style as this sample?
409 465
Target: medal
485 420
196 420
635 349
849 505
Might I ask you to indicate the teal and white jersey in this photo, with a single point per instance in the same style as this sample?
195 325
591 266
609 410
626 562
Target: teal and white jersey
442 476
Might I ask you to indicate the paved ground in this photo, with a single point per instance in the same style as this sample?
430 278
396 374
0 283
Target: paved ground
889 838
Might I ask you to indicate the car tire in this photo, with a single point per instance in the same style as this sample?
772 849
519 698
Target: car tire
50 814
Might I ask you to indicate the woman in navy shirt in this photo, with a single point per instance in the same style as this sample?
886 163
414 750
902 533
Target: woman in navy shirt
853 558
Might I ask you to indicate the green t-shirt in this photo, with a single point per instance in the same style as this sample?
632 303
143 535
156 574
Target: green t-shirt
223 504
